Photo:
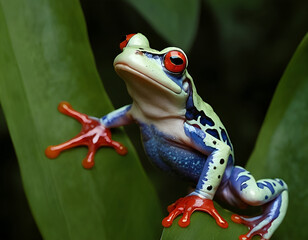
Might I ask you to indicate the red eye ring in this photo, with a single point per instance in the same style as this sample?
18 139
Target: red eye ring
175 61
126 39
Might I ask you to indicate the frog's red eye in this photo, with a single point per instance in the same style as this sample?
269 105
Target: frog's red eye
125 40
175 61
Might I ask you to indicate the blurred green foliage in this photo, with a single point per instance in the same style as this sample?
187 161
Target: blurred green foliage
282 145
237 53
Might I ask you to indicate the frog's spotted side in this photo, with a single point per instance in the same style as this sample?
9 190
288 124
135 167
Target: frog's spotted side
182 134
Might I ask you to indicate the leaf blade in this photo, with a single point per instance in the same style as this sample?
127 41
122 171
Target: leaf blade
46 59
281 149
177 21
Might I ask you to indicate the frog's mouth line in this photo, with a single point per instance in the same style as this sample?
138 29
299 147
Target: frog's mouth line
124 67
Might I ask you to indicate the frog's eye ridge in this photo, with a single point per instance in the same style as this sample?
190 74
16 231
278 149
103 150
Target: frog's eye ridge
125 39
175 61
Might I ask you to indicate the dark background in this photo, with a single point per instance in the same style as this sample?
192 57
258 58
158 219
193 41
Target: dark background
236 61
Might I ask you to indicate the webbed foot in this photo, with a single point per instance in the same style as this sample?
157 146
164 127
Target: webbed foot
256 225
187 206
93 134
265 224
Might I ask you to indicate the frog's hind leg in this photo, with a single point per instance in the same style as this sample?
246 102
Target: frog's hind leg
266 223
271 194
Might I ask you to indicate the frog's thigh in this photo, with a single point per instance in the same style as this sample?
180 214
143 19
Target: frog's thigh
252 192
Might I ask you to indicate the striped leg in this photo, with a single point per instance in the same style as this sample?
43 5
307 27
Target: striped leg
272 194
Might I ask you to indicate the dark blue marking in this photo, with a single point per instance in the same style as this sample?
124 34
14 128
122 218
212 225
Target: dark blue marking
266 184
266 197
193 113
191 110
205 120
189 115
281 182
213 132
243 186
202 120
225 138
238 183
243 179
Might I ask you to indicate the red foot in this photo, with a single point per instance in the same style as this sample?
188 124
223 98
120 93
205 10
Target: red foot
251 223
187 206
93 134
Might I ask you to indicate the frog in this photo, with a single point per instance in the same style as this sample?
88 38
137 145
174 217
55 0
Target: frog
182 135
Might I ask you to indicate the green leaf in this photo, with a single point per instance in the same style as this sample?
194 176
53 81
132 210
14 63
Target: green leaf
282 146
46 58
175 20
281 151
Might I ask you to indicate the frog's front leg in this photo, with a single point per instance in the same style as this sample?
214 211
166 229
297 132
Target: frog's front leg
95 133
201 199
117 118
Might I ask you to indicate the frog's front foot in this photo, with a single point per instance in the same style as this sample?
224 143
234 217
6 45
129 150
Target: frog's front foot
187 206
93 134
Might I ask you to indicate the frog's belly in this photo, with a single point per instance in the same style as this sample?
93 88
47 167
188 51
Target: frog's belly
170 156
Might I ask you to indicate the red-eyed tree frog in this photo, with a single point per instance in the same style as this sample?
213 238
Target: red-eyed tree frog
181 134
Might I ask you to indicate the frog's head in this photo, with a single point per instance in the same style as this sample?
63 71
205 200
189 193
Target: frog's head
154 77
